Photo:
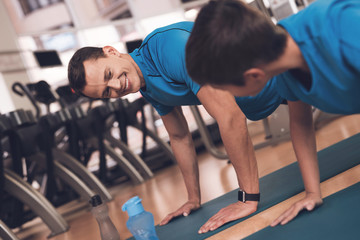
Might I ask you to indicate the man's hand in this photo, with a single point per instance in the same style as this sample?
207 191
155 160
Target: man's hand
309 203
183 210
232 212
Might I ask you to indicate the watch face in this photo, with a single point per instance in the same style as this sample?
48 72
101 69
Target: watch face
241 196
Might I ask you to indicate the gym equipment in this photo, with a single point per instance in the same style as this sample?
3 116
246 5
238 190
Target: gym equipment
205 135
68 98
89 134
282 8
127 116
41 92
38 204
337 218
274 188
27 141
97 127
276 129
15 186
104 118
6 233
25 90
51 125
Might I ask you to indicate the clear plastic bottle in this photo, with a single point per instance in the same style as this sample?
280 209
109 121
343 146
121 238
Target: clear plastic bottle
101 212
140 222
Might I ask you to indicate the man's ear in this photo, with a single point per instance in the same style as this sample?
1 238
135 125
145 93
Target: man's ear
108 50
254 77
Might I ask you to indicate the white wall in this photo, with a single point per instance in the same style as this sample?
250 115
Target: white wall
150 8
6 104
40 20
8 42
84 12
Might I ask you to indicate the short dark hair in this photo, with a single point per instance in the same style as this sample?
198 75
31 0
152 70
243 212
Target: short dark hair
76 70
228 38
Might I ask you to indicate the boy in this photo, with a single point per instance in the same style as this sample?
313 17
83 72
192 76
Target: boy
313 56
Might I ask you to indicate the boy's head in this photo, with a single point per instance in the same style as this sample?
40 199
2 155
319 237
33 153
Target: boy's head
103 73
229 38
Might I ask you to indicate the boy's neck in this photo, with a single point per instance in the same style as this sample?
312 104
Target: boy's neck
292 58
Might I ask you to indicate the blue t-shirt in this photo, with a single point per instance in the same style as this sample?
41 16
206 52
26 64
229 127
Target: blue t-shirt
161 59
328 35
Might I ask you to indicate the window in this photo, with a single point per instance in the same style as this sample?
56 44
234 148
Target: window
29 6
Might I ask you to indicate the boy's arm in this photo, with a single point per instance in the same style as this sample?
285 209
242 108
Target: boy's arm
221 105
304 143
183 148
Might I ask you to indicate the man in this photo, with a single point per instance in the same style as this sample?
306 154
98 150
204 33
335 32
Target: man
313 56
157 69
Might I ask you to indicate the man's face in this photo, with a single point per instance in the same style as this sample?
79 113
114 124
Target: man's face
110 77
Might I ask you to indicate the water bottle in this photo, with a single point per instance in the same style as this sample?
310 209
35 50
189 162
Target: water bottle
101 212
140 222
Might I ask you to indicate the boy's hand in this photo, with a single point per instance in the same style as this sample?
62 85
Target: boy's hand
232 212
183 210
309 203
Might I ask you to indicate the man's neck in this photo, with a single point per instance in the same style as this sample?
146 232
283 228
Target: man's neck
138 70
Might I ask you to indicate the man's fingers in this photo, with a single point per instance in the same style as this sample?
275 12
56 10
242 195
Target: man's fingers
185 212
169 217
217 224
213 223
166 219
232 212
310 206
205 228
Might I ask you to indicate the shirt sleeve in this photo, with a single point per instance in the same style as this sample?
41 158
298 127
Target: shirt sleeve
172 52
349 22
283 86
161 109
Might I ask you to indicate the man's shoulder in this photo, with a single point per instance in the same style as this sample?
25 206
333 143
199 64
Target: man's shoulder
181 26
169 41
171 30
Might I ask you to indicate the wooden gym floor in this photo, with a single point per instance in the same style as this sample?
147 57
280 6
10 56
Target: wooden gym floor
166 192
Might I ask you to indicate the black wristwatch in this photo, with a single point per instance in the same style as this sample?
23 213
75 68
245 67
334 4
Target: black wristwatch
243 196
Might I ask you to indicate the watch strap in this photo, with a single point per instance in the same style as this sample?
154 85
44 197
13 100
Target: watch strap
243 196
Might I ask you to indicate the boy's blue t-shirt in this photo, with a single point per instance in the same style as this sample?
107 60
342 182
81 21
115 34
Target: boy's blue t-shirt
328 35
161 59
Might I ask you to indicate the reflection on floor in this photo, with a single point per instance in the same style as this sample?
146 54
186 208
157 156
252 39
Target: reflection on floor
166 192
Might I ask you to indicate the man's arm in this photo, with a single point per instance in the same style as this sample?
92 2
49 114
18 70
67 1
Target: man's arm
183 148
233 129
304 143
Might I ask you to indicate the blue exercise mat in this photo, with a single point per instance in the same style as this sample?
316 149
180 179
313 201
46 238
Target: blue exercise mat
275 188
337 218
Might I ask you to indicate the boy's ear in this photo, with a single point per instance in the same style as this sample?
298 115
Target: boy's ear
108 50
254 77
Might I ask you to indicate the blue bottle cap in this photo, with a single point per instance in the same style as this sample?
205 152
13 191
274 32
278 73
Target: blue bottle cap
133 206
